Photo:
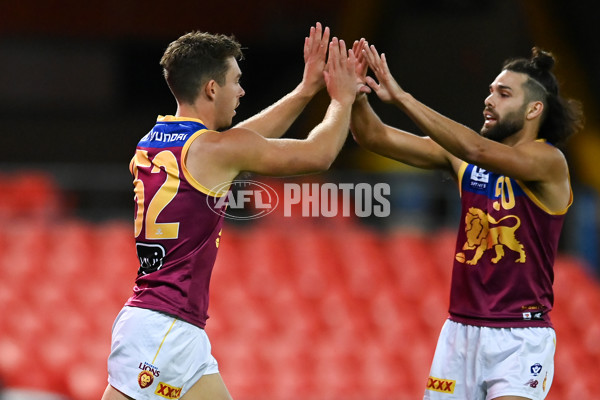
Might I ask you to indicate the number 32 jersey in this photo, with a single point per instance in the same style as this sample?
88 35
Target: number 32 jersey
177 225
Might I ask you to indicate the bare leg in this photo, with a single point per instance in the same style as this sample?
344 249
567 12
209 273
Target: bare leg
209 387
113 394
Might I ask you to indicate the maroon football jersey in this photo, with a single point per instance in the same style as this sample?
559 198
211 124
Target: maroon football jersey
177 226
504 261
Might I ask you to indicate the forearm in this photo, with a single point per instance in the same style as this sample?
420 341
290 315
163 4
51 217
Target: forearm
456 138
367 128
276 119
327 139
371 133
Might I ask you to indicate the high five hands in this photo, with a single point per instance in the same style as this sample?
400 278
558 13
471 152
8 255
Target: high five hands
386 87
340 72
362 56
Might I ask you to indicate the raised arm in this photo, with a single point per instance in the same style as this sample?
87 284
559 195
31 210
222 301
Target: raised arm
276 119
371 133
216 157
541 166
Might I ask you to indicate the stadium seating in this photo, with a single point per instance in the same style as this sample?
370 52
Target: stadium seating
306 311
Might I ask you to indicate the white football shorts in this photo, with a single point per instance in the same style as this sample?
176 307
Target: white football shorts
157 356
475 363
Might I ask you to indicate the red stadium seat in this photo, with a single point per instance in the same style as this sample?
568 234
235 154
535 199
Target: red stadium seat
30 194
319 312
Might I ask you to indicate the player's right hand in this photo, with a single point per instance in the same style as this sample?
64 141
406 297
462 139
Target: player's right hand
340 72
387 89
361 67
315 54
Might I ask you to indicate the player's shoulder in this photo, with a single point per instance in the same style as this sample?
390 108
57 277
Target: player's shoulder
225 145
543 148
228 134
240 132
231 139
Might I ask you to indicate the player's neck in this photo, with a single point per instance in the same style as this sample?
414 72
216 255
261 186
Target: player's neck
528 133
196 111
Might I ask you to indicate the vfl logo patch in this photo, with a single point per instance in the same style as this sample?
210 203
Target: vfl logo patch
536 369
480 175
167 391
441 385
479 178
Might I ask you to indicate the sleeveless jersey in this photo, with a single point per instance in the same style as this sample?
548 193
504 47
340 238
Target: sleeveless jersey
177 224
504 261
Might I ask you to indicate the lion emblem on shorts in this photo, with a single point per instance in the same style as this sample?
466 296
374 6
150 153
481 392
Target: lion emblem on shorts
484 233
145 379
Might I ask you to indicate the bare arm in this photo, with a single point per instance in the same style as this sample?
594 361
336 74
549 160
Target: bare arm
216 158
370 132
276 119
284 157
529 161
542 167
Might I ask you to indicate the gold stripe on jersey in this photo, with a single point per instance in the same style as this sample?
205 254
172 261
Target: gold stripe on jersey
189 176
461 172
537 201
197 185
541 205
163 341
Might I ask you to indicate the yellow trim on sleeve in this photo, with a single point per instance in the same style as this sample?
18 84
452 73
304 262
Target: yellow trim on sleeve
537 201
460 173
197 185
541 205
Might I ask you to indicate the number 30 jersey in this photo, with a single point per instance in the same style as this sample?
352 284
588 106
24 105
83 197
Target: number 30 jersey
505 251
177 225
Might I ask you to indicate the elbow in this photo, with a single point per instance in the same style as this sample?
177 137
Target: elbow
313 164
368 141
358 138
322 160
473 154
323 163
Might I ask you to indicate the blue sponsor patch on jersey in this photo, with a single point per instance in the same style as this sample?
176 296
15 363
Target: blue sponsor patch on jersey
170 134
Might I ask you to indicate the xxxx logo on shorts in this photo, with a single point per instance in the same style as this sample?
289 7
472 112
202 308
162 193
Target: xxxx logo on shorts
167 391
441 385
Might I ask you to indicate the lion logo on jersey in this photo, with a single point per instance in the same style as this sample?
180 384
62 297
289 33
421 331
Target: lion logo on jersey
481 236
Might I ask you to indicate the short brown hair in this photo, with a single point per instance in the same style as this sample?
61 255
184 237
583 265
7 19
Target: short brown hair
194 59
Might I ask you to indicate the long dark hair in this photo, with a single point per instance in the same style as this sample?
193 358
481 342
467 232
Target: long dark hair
561 117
